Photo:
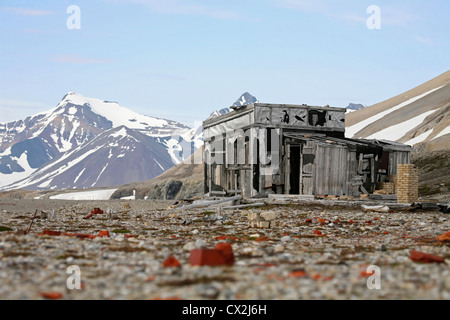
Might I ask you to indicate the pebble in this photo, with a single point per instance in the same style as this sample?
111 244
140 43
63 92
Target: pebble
120 238
278 248
190 246
199 243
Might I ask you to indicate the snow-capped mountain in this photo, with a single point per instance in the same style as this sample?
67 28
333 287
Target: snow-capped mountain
245 99
220 112
354 107
419 116
26 146
117 156
86 142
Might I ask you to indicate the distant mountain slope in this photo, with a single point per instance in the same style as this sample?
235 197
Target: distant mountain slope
26 147
182 181
418 116
354 107
245 99
117 156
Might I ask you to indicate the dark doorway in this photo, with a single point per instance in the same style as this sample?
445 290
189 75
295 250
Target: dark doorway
294 177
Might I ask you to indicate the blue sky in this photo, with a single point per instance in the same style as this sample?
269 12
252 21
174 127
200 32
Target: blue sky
182 59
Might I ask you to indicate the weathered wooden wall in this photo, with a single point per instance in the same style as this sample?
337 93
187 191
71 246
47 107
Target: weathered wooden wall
396 158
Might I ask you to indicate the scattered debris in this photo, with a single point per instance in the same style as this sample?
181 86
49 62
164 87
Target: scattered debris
93 212
51 295
243 206
222 255
52 215
44 215
171 262
4 229
104 234
208 203
445 207
418 256
382 209
261 219
50 233
302 250
444 237
31 223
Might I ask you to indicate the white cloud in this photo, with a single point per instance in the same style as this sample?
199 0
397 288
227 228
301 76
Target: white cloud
424 40
397 16
183 7
26 11
19 103
352 11
12 110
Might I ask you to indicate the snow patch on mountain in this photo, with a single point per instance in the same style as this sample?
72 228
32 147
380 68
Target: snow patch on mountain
22 161
121 116
245 99
398 131
86 195
351 132
419 138
443 132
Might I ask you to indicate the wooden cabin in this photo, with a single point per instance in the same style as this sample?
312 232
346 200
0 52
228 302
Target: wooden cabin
263 149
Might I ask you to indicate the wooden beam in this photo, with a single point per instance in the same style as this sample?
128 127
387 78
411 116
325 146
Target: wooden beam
209 203
364 190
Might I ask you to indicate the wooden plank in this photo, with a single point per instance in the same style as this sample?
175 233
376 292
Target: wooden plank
218 192
372 170
250 205
364 190
300 180
287 171
360 164
203 203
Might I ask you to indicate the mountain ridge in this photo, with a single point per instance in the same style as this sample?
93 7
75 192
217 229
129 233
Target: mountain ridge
31 144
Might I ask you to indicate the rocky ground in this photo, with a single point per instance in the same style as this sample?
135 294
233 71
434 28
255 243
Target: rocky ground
311 252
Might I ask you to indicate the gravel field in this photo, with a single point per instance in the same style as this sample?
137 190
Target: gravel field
312 252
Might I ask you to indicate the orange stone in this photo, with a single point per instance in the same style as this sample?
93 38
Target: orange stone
51 233
206 257
171 262
418 256
226 251
444 237
51 295
298 274
104 234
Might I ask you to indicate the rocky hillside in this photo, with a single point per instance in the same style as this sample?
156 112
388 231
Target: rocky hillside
434 174
183 181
